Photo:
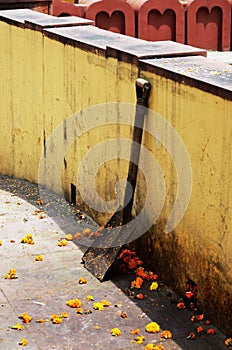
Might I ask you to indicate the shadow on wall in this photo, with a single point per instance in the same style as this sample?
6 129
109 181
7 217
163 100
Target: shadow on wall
193 22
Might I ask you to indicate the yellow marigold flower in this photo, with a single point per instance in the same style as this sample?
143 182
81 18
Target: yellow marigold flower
105 303
18 327
115 332
40 320
27 239
139 339
89 297
166 334
11 274
23 342
56 319
82 280
69 237
0 243
151 346
25 317
154 286
64 315
98 306
74 303
152 327
62 243
38 258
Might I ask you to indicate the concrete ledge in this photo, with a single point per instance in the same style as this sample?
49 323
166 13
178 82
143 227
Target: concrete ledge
197 71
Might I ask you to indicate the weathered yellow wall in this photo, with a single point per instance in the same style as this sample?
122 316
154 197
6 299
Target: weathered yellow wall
45 81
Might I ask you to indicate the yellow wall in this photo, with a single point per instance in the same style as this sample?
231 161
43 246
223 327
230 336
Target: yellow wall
44 81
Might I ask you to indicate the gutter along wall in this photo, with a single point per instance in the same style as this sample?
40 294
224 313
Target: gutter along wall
51 70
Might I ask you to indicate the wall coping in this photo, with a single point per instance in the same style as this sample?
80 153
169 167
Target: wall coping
197 71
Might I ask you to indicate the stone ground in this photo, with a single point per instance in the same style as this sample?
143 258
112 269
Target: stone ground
43 287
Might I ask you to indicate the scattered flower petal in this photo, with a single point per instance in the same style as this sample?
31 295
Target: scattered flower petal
124 315
38 258
11 275
56 319
82 280
166 334
25 317
152 327
211 331
135 331
74 303
154 286
62 243
105 303
191 336
69 237
98 306
18 327
89 297
64 314
23 342
139 339
115 332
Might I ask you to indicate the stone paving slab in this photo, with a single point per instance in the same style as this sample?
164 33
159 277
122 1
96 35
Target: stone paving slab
43 287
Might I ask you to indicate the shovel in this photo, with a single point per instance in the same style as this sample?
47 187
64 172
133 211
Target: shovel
99 259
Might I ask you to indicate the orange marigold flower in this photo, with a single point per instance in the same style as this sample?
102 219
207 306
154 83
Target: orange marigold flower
200 317
140 296
82 280
105 303
123 315
152 327
191 336
180 305
151 346
74 303
228 342
115 332
80 311
40 320
200 329
25 317
166 334
137 283
207 322
135 331
211 331
64 314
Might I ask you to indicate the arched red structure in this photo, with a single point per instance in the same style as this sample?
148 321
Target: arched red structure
160 20
117 16
61 8
209 24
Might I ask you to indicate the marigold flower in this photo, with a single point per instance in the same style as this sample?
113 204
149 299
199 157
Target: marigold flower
77 236
74 303
166 334
56 319
38 258
69 237
200 317
191 336
98 306
25 317
137 283
135 331
82 280
154 286
138 340
180 305
115 332
105 303
64 314
228 342
207 322
0 243
211 331
40 320
140 296
11 274
18 327
28 239
89 297
86 231
200 329
62 243
152 327
80 311
23 342
123 315
151 346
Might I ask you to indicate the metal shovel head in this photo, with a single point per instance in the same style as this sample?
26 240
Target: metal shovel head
101 255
